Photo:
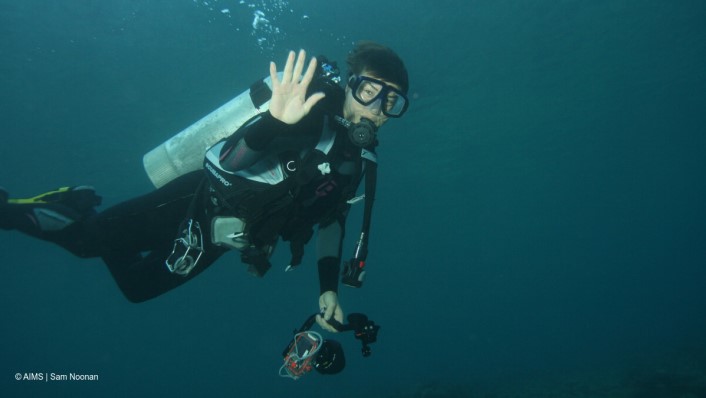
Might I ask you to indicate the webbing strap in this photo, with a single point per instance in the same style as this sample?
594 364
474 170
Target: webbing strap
260 93
370 187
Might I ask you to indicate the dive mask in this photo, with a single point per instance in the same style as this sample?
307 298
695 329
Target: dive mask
378 94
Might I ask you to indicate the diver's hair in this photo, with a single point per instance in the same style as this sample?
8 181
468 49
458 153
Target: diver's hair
380 61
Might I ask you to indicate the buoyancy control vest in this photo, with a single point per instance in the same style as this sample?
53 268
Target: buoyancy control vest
286 194
259 192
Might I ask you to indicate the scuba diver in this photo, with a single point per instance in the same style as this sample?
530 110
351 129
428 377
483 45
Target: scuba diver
287 171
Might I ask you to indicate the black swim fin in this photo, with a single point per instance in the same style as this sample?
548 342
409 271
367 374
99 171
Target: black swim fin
80 198
50 211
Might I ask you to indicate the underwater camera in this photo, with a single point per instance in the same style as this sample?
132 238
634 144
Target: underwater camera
309 350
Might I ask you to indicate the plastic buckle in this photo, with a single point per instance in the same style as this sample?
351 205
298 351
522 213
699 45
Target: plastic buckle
187 250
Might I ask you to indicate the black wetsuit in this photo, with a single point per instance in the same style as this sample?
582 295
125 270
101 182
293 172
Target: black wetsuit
135 237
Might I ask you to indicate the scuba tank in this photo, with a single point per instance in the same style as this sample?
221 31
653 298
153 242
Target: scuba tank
184 152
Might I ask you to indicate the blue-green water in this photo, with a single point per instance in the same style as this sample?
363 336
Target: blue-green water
540 226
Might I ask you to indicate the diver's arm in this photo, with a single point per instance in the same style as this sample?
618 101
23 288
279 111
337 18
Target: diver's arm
288 110
329 242
328 250
266 136
244 148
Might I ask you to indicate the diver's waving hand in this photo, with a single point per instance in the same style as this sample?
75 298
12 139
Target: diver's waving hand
289 103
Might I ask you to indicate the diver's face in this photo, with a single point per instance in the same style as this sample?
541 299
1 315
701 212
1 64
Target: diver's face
353 110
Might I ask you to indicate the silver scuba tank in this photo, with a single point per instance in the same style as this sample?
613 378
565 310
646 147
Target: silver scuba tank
185 151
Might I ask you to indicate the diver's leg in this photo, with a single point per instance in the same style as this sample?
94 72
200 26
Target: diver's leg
149 221
143 278
138 235
56 216
121 235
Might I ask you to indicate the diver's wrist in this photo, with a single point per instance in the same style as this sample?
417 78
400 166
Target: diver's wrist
329 268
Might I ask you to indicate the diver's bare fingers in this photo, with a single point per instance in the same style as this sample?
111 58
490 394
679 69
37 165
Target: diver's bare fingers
273 75
310 70
320 321
312 100
325 325
287 76
299 67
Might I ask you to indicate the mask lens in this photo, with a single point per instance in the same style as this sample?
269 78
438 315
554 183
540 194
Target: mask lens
367 90
395 104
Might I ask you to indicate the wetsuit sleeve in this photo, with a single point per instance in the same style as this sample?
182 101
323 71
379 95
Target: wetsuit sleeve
329 242
247 146
329 268
269 135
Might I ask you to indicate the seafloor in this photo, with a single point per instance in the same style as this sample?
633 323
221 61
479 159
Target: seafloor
672 375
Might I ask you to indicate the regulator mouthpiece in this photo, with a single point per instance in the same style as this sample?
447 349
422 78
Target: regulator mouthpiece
363 133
